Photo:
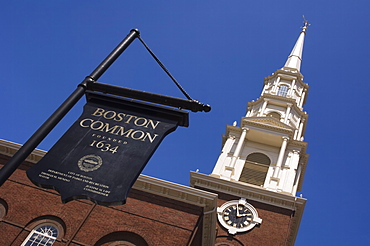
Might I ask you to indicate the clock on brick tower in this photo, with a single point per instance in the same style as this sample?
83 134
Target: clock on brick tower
262 163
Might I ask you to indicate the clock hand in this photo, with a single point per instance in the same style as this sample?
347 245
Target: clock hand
247 214
237 211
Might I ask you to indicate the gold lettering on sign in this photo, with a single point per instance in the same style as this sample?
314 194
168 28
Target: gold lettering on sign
135 134
126 118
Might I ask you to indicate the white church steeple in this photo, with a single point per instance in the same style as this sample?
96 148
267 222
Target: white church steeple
267 149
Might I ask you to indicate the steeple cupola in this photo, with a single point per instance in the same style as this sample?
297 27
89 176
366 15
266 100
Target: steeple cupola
267 149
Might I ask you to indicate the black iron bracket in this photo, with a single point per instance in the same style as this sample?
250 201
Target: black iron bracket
193 105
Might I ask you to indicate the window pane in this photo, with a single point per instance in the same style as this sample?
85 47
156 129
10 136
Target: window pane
39 240
44 235
283 90
48 230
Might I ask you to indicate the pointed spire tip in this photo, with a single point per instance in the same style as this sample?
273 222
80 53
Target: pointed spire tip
305 24
295 57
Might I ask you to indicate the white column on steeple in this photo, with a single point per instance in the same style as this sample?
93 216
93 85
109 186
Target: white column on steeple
248 112
239 147
299 135
263 107
291 171
263 89
295 137
281 156
290 93
302 99
275 88
223 158
298 174
287 112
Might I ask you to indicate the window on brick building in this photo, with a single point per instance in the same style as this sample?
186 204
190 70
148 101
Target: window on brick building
226 244
227 241
42 235
122 243
3 209
121 238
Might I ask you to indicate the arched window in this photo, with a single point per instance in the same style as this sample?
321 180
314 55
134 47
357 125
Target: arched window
42 235
122 243
255 169
283 90
227 241
121 238
3 209
274 115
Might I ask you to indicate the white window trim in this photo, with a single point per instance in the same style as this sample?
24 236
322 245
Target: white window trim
36 232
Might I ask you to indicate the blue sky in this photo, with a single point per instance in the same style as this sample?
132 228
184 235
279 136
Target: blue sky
219 51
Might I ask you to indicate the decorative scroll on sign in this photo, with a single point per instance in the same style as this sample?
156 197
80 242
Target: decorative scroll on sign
103 152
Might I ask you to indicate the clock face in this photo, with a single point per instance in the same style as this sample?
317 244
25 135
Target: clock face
238 216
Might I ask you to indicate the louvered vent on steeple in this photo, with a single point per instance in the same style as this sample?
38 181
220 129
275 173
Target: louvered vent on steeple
255 169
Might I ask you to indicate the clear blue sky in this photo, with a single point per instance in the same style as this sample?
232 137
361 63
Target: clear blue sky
219 51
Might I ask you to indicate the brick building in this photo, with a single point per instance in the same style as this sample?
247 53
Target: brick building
250 197
155 211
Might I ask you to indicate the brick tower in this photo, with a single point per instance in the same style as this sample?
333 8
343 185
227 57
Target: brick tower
263 162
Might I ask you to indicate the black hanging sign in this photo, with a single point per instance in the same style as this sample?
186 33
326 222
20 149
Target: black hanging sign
101 155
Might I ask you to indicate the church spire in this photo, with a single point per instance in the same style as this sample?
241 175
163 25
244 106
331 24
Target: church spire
268 150
295 57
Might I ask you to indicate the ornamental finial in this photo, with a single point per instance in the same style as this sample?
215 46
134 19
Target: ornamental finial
305 24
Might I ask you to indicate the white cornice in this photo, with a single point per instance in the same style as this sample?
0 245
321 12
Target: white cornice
286 74
241 189
269 122
178 192
302 145
9 148
279 100
185 194
248 122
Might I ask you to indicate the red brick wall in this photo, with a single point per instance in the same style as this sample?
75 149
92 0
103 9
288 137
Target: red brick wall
158 220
